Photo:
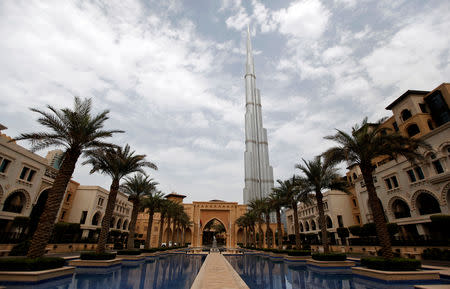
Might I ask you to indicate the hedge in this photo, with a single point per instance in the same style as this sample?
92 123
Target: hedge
97 256
436 254
395 264
329 257
20 249
34 264
129 252
298 253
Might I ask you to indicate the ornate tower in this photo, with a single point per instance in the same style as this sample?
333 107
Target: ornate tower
258 172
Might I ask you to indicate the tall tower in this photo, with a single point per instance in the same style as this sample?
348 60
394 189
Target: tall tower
258 172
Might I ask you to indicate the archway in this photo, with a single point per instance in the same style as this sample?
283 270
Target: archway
125 225
240 236
400 209
111 225
313 225
214 228
96 219
306 226
427 204
119 224
188 236
329 222
15 202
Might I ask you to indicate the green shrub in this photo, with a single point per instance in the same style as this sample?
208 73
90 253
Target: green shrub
27 264
278 251
342 232
393 229
369 229
97 256
150 250
129 252
329 257
20 249
355 230
436 254
441 220
395 264
298 253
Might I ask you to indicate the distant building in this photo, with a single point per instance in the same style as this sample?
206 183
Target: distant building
55 158
337 214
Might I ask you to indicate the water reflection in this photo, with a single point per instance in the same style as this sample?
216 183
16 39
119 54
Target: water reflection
169 271
262 273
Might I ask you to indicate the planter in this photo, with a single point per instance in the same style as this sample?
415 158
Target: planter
397 275
297 258
35 276
131 257
276 257
95 263
330 264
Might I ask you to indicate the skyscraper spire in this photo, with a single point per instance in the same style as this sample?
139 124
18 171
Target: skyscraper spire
258 172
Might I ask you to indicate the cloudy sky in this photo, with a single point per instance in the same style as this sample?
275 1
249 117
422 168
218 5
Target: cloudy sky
171 72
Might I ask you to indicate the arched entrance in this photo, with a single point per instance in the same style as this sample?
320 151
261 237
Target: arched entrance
214 228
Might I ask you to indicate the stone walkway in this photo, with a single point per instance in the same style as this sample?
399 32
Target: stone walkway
217 273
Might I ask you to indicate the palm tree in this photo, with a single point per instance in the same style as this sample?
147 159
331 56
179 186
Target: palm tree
117 163
257 207
152 203
177 212
277 201
266 210
241 222
76 130
365 143
293 192
137 188
185 222
251 223
321 175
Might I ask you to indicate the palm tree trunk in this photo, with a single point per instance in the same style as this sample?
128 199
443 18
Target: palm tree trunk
245 236
161 228
261 235
46 223
172 232
268 235
148 239
101 245
323 225
254 235
168 230
296 226
182 236
131 229
280 235
378 215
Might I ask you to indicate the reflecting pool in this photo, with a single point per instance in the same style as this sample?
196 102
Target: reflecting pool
169 271
260 272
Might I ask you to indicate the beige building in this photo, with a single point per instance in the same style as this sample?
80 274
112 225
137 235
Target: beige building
24 178
411 193
88 208
338 209
200 213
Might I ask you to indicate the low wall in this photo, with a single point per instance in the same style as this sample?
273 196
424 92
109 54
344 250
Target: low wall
405 251
62 248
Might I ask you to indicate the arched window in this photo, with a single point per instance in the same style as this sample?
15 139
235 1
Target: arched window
96 219
313 225
427 204
307 226
301 227
355 176
329 222
406 114
400 209
125 225
113 220
413 130
430 124
15 202
119 224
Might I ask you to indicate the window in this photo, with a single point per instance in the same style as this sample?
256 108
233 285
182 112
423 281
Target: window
83 217
63 214
423 107
4 163
438 167
355 176
100 201
31 175
430 124
411 175
413 130
394 181
419 173
24 173
358 219
340 221
68 197
438 108
388 184
354 203
406 114
394 124
362 184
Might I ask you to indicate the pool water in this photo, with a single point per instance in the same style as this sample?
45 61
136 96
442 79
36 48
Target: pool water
170 271
259 272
